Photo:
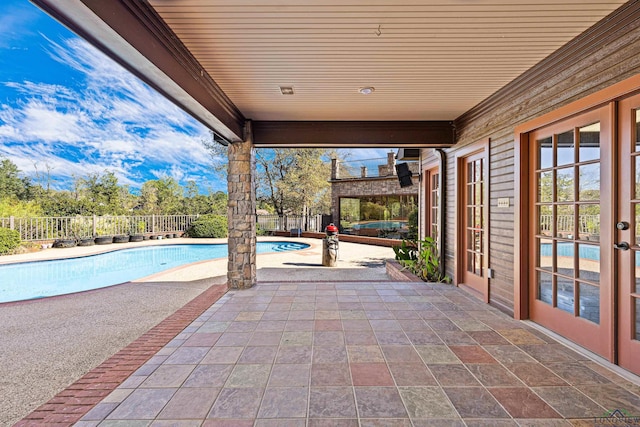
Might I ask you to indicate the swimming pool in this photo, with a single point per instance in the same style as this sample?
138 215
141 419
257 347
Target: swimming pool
30 280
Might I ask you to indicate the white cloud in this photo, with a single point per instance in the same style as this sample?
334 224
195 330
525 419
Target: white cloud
109 120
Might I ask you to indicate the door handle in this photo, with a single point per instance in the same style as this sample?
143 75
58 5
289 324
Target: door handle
623 246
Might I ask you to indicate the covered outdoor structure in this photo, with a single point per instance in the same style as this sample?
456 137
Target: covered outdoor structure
520 99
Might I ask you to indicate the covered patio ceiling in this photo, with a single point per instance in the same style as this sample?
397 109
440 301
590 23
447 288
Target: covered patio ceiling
428 62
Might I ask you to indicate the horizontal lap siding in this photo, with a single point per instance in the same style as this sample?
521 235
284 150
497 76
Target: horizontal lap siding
615 59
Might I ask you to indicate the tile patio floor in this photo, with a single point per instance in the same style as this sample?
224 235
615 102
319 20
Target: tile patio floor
362 354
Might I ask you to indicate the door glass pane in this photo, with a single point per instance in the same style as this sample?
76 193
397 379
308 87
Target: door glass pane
545 287
545 187
589 302
637 177
637 270
545 220
589 182
589 262
637 307
589 143
566 152
565 294
565 257
478 221
564 221
565 185
545 153
545 251
637 134
479 271
637 222
479 170
589 222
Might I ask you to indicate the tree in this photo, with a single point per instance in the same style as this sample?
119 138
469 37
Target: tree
11 206
162 196
101 193
218 154
287 180
294 181
11 184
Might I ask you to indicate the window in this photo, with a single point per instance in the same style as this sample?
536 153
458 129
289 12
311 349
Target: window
392 217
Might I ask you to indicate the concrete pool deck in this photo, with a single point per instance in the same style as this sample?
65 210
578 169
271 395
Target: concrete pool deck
48 344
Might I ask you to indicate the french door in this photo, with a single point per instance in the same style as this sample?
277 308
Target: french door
472 213
628 234
432 203
572 278
585 230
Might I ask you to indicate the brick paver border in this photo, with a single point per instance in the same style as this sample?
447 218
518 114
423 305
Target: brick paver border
72 403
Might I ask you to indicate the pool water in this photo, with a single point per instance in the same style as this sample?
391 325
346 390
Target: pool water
41 279
380 224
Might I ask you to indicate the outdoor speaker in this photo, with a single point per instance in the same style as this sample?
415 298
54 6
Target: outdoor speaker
404 175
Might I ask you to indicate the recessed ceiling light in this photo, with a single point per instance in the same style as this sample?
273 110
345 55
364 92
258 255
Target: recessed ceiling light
286 90
367 90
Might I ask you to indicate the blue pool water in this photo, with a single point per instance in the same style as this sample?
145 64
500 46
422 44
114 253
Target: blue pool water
567 249
591 252
40 279
380 224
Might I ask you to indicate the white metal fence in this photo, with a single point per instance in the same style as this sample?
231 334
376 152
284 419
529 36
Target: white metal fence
587 224
290 222
80 227
48 228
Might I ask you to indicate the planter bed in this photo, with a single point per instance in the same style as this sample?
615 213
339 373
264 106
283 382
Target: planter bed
397 272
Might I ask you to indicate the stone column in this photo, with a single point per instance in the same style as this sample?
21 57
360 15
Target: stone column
241 266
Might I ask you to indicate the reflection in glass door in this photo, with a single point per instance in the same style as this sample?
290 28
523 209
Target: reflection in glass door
571 275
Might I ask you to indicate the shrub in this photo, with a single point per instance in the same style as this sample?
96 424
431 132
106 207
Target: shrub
9 240
261 231
209 226
421 258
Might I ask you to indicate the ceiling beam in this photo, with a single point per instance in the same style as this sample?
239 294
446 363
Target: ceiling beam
132 33
352 134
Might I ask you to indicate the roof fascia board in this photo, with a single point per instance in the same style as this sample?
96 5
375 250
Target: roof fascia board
131 33
353 134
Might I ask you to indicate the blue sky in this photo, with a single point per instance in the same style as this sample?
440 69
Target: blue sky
68 109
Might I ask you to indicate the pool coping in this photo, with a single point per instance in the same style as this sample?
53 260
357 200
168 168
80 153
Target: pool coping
70 404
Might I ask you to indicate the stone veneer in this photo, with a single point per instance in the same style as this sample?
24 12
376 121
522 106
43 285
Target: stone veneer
385 184
241 269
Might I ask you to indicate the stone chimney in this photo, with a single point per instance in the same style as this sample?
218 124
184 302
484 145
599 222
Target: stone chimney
335 169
